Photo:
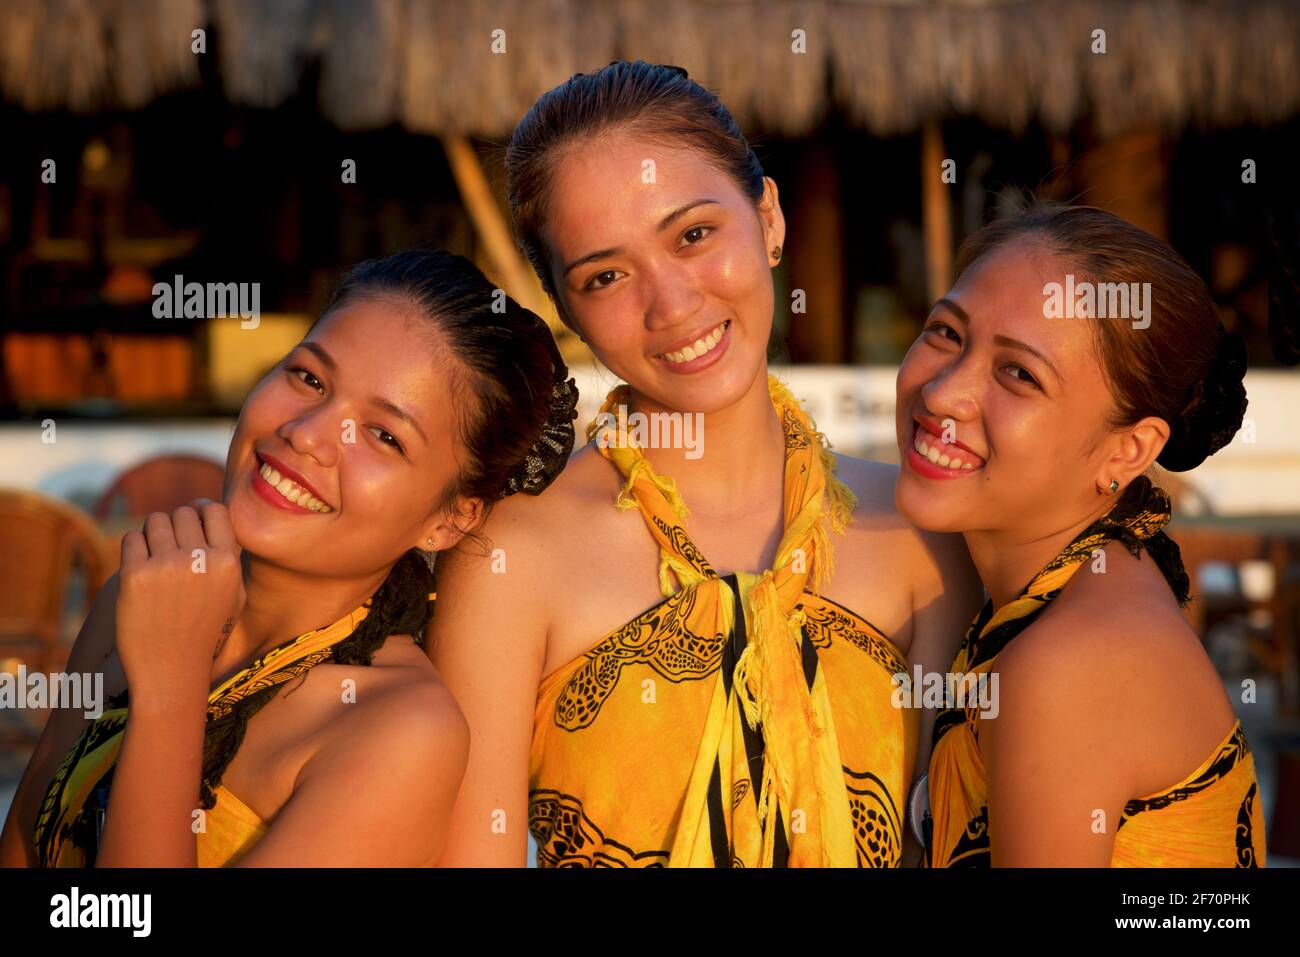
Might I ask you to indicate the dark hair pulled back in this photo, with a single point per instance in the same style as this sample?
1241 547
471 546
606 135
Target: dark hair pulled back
516 407
1183 367
656 100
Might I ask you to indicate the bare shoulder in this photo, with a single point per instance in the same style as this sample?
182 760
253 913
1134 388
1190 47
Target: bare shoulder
541 523
931 557
588 479
419 705
1117 616
1115 645
509 567
400 749
400 697
872 483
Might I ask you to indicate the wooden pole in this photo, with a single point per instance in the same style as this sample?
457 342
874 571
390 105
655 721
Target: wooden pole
936 211
1128 176
815 259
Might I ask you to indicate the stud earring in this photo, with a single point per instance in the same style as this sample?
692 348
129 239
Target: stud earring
776 253
430 542
1114 486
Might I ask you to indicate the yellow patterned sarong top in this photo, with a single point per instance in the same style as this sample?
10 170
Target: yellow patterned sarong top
1211 818
744 721
71 815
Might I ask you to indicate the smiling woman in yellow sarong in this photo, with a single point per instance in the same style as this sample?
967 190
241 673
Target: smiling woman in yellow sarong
664 664
1112 742
270 703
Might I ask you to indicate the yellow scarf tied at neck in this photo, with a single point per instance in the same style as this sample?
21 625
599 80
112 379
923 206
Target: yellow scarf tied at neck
803 788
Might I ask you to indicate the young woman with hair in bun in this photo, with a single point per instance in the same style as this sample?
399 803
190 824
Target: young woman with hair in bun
688 656
281 711
1031 430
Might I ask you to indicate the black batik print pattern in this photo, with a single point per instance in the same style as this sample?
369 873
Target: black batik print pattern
823 624
1245 828
567 837
877 826
659 638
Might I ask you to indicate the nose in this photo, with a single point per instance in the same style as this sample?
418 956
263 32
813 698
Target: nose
674 298
317 433
952 392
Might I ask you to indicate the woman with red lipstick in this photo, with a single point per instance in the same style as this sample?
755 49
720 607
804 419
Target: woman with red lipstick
1109 740
413 404
654 684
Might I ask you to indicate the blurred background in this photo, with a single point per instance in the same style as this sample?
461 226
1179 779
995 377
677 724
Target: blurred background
277 143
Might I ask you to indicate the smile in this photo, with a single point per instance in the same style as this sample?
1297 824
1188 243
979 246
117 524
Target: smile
699 348
291 491
932 457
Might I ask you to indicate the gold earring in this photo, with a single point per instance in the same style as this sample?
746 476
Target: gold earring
430 541
776 253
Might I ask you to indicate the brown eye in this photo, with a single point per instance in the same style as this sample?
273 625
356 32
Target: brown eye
602 279
699 232
306 378
945 330
1023 376
386 437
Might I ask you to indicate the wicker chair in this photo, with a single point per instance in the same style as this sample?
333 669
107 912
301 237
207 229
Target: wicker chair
42 542
161 484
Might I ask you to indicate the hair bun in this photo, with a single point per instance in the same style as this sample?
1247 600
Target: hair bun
550 453
1213 414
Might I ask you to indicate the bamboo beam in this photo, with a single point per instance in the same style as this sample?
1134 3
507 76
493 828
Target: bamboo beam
516 275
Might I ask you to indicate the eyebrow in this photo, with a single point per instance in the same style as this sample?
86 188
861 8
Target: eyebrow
951 307
999 339
663 224
328 362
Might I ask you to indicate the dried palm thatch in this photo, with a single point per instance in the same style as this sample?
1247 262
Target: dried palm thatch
84 55
441 66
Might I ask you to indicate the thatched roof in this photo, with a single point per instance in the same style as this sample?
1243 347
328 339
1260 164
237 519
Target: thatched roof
886 65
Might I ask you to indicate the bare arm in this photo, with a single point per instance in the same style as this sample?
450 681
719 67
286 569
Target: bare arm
93 646
488 641
156 783
943 605
1057 769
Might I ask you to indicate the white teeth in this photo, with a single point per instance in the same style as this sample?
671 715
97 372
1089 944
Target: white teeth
701 346
938 458
291 490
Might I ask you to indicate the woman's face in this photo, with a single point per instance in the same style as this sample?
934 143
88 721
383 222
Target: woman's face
1010 406
664 267
357 421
